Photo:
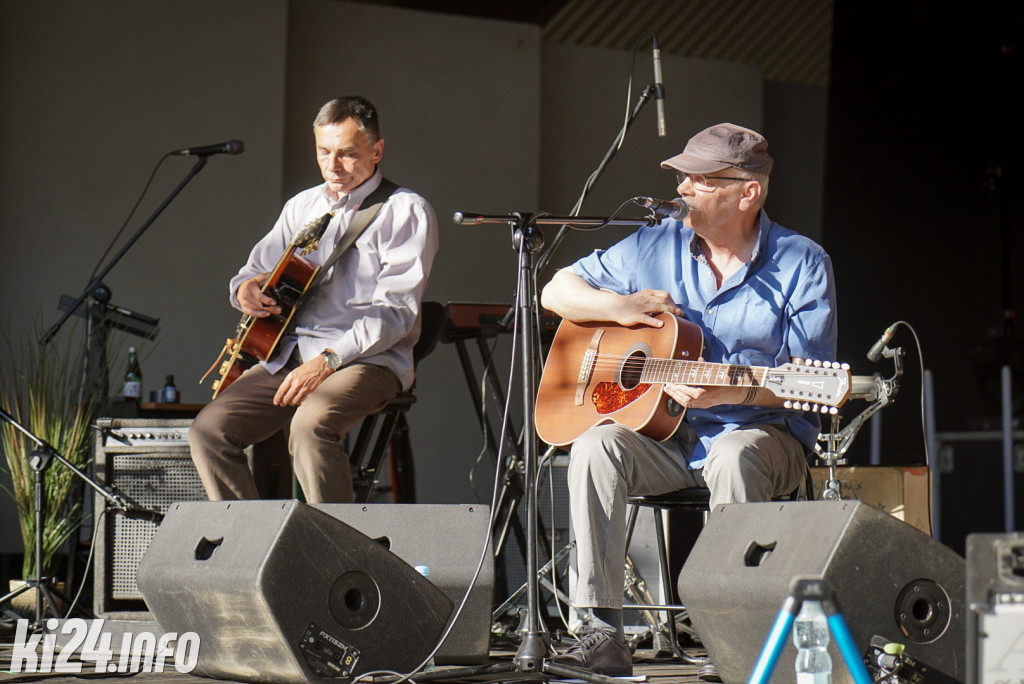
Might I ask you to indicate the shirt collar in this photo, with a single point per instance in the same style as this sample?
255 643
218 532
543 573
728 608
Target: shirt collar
356 197
764 225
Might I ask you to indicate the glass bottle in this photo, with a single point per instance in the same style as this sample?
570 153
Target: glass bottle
133 377
170 392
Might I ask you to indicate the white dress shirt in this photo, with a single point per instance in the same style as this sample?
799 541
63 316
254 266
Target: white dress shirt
366 308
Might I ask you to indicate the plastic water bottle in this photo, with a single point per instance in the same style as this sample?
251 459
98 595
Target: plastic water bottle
810 636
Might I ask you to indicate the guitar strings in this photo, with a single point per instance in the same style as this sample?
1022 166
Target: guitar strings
660 370
654 366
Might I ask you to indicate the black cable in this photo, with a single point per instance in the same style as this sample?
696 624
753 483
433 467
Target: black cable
131 213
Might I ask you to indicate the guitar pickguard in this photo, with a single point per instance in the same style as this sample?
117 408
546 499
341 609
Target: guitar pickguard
609 397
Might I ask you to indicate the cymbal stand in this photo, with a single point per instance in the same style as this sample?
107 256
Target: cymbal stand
830 451
528 240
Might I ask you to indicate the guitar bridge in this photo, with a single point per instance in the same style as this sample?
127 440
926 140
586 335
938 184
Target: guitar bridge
587 367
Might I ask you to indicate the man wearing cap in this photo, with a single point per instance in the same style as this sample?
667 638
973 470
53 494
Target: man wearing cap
762 295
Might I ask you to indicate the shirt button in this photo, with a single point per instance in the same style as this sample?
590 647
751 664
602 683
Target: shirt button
711 310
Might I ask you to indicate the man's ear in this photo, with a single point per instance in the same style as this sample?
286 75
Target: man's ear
378 151
750 199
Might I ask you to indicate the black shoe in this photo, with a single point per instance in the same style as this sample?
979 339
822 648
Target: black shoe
708 672
599 652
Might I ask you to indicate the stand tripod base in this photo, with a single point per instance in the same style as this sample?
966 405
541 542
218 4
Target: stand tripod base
460 673
53 600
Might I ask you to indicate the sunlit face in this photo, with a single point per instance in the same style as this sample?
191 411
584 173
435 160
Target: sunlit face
346 156
712 199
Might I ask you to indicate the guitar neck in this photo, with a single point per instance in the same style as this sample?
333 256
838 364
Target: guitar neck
661 371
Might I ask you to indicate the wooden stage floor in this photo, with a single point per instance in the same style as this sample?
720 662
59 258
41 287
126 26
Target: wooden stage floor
647 667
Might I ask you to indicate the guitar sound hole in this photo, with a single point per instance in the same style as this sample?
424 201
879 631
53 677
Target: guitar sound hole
631 370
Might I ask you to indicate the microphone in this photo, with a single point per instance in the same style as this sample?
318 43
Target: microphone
229 147
147 514
673 209
875 353
659 89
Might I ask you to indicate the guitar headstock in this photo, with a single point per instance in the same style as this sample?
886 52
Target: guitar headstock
810 385
308 239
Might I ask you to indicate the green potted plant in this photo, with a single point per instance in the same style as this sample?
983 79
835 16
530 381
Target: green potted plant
40 387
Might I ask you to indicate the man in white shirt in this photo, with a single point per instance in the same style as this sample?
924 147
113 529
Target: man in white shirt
348 350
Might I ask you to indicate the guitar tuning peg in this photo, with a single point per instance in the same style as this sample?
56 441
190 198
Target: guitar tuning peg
797 360
844 366
823 409
805 406
833 410
817 363
787 404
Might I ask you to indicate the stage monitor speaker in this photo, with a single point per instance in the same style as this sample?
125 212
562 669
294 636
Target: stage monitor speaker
278 591
995 597
888 579
447 539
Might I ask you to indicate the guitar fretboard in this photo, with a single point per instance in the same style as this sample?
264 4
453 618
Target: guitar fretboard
701 373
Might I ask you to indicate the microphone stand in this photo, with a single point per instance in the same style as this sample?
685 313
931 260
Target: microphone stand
832 446
642 100
40 459
528 240
196 168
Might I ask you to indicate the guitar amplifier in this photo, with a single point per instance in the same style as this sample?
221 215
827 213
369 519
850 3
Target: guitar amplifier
149 462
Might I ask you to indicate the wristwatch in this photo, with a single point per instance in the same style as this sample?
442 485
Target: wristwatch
333 360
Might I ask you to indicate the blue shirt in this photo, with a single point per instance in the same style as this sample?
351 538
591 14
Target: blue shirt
779 305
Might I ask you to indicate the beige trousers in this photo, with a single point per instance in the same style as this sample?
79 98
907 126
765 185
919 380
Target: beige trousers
610 462
244 414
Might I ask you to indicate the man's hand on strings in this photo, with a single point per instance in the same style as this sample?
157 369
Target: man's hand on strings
255 302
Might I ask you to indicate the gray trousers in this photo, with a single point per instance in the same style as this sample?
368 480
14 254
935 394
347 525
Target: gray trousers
244 414
610 462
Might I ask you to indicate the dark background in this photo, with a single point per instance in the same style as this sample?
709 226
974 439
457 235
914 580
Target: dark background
922 217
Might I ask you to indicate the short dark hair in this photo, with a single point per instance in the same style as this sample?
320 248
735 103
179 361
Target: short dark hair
350 107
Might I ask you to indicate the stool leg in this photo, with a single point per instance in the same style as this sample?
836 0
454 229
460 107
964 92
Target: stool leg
630 524
659 529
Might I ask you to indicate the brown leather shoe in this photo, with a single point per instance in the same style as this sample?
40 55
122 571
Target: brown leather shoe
599 652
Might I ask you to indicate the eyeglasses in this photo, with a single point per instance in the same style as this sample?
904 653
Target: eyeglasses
700 181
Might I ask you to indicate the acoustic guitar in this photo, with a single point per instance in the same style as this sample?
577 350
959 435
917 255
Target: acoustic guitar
256 339
605 373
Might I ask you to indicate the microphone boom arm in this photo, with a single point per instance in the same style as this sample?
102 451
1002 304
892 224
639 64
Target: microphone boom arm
643 99
52 332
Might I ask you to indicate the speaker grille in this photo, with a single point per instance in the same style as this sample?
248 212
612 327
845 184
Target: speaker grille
148 461
154 480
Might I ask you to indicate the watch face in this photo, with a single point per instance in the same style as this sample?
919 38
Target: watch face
333 360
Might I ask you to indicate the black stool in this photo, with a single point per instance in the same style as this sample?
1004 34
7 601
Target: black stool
696 500
388 427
